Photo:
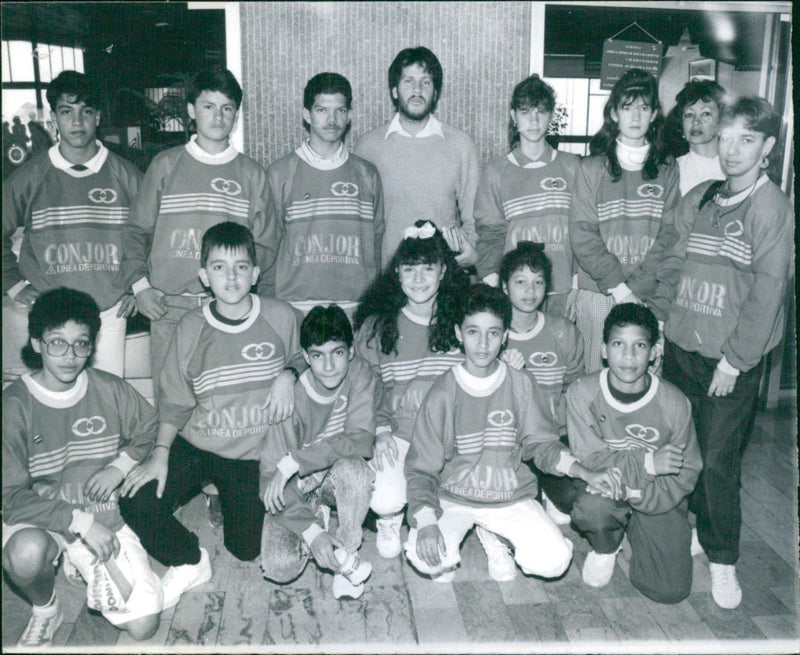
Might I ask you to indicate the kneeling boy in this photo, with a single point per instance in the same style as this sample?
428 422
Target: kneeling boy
317 460
226 377
70 435
477 425
624 417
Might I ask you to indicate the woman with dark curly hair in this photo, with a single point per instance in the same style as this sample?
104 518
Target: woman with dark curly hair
620 221
691 132
405 322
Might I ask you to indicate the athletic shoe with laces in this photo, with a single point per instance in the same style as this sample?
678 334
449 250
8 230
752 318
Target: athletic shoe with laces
725 585
343 588
180 579
599 568
42 626
215 518
558 517
502 567
696 548
388 541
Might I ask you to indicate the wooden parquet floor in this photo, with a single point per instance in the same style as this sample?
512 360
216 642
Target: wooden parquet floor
402 611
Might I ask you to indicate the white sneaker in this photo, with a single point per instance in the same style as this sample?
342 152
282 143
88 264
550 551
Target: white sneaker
502 567
388 541
180 579
42 626
446 577
725 585
343 588
558 517
599 568
353 568
696 548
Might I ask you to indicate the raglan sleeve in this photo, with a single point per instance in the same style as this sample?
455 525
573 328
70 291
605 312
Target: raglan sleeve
587 444
137 233
664 492
358 436
490 222
672 262
587 243
265 228
281 438
176 399
17 192
425 460
21 502
384 417
643 280
773 247
139 421
538 433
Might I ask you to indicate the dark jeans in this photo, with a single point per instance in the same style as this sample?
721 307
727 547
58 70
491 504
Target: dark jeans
661 560
165 538
723 427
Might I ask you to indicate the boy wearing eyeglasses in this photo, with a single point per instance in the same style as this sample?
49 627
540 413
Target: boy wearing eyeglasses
70 436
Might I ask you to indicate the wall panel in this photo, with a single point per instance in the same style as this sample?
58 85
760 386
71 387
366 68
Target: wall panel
483 47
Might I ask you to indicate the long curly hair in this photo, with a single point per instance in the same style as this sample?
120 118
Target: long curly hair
384 298
634 85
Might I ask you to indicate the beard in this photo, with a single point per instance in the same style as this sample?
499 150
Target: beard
415 114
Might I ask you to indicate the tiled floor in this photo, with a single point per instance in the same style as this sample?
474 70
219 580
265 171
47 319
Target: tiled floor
402 611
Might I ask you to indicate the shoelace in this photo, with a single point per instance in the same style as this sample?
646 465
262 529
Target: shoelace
38 630
386 529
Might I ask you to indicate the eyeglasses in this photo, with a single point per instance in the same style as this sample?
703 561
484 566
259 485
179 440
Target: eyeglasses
59 347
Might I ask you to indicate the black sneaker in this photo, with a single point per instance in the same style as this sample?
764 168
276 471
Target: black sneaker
215 519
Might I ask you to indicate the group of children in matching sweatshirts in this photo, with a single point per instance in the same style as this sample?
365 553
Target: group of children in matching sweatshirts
456 401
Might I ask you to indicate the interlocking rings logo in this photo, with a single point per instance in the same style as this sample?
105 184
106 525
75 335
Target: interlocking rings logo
642 433
349 189
553 184
85 427
103 196
547 358
256 351
734 229
501 418
650 190
228 187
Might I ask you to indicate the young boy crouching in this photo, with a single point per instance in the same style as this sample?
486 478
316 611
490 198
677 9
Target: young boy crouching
70 435
623 417
477 425
316 461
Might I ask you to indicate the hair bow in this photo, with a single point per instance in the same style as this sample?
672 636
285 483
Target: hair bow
424 232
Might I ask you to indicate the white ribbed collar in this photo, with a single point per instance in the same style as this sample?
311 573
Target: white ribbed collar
58 399
228 155
480 387
627 408
93 166
255 310
414 318
316 396
432 128
530 334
